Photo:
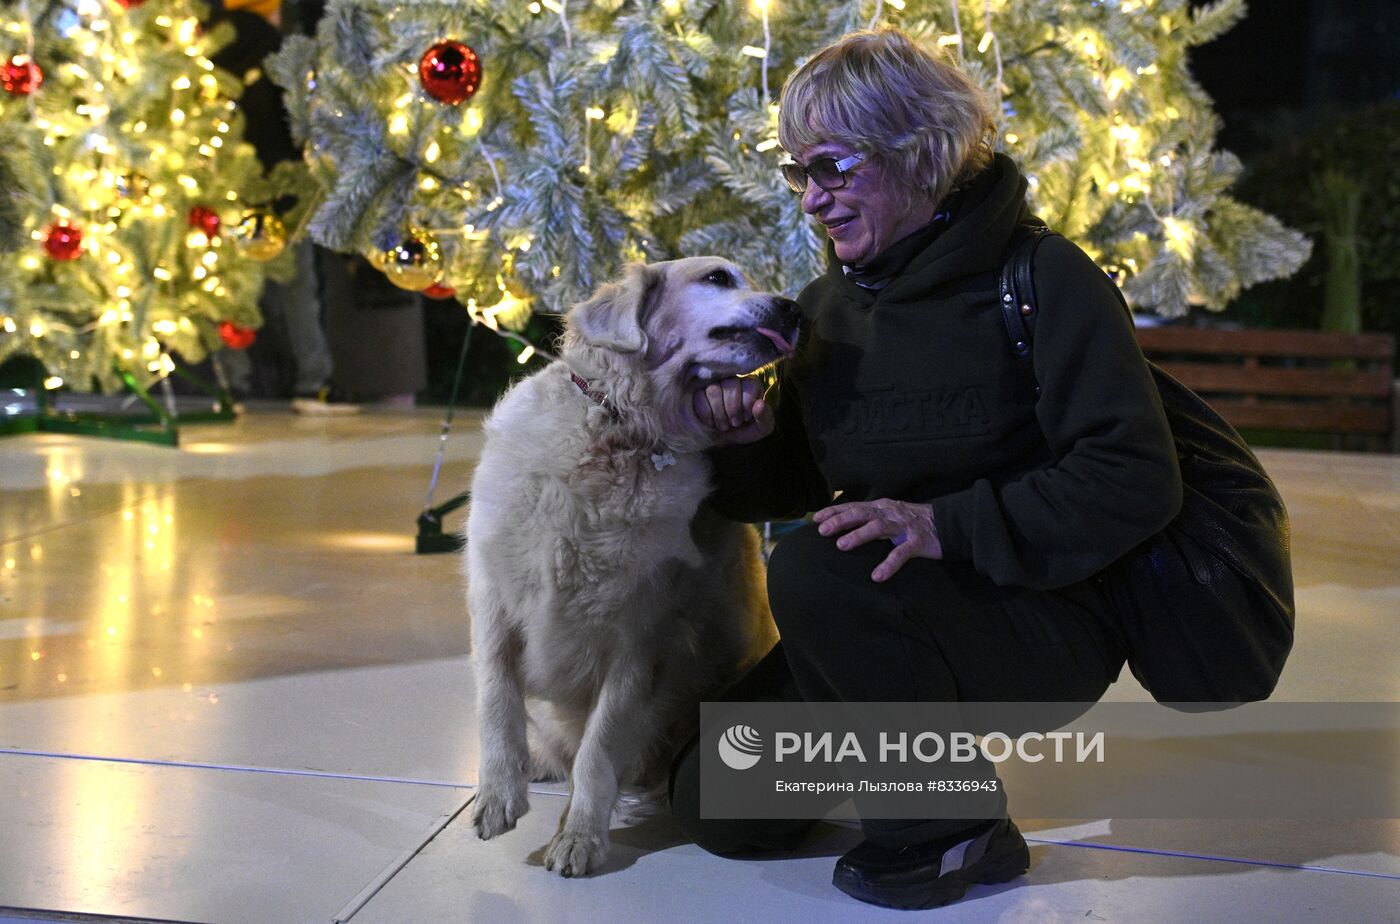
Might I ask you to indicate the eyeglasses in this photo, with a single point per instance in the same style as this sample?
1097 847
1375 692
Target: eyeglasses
827 172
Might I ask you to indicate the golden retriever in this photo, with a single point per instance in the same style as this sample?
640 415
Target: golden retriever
599 587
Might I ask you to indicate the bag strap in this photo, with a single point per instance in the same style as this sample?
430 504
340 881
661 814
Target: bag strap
1017 292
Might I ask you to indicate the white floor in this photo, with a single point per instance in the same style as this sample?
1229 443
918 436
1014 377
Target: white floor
230 692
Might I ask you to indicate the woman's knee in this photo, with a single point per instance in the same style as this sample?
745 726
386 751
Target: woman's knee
805 565
813 586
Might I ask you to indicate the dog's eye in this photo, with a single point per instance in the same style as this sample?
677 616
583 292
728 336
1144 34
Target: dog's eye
720 278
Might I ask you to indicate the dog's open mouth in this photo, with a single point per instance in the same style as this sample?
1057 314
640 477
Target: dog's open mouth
759 346
786 347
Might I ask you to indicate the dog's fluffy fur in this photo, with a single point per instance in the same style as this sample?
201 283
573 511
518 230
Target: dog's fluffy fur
598 586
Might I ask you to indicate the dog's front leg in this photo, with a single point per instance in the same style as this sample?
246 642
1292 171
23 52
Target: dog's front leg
502 795
612 741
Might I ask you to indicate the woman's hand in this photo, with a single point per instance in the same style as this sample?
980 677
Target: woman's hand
735 408
909 526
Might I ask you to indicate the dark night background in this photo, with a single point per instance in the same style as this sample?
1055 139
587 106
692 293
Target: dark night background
1304 87
1290 62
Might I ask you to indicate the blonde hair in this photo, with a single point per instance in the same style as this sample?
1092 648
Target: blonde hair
878 91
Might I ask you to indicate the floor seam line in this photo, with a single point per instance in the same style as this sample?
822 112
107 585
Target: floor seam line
80 521
1204 856
386 875
233 768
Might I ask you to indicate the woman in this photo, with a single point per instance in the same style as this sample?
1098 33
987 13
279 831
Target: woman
976 509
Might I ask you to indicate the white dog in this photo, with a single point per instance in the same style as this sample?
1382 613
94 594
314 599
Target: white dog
597 584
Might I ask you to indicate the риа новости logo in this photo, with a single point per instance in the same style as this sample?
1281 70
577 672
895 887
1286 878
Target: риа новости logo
740 747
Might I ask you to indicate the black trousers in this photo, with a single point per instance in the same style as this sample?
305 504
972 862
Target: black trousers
936 632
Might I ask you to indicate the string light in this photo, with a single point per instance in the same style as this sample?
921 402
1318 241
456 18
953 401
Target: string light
990 40
956 39
1181 237
471 123
766 50
561 7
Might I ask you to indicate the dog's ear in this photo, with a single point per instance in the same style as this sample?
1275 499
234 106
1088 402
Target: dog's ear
612 318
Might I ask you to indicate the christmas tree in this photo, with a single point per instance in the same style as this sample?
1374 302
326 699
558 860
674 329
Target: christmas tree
136 220
520 152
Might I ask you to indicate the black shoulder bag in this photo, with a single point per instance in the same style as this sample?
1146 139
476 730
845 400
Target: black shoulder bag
1206 605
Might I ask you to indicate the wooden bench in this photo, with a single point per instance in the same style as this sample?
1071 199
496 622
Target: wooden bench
1292 380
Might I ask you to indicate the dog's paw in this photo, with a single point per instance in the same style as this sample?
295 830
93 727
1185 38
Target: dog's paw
497 808
574 854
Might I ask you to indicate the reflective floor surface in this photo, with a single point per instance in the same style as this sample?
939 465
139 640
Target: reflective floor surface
231 692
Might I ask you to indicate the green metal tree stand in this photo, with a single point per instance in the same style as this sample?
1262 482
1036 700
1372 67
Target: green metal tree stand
158 424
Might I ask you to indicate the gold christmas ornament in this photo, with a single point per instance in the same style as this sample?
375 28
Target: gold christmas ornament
130 188
260 235
415 263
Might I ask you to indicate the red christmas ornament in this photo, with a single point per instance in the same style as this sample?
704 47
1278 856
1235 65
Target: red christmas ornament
450 72
236 337
20 76
439 291
64 241
205 219
128 4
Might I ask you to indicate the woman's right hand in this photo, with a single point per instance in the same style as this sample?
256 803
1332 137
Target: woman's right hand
735 408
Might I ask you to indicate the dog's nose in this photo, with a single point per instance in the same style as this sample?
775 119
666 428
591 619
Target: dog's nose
787 309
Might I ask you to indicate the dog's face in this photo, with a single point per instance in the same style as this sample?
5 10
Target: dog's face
689 322
670 329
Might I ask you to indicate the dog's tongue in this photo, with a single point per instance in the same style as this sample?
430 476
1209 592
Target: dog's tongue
778 339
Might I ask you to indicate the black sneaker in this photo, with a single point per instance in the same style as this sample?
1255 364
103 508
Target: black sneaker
328 401
929 875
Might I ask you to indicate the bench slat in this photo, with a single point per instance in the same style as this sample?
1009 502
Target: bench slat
1209 378
1318 418
1296 343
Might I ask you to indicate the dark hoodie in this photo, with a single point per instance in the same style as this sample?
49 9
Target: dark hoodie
911 391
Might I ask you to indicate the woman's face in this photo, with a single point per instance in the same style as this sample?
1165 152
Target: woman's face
866 215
